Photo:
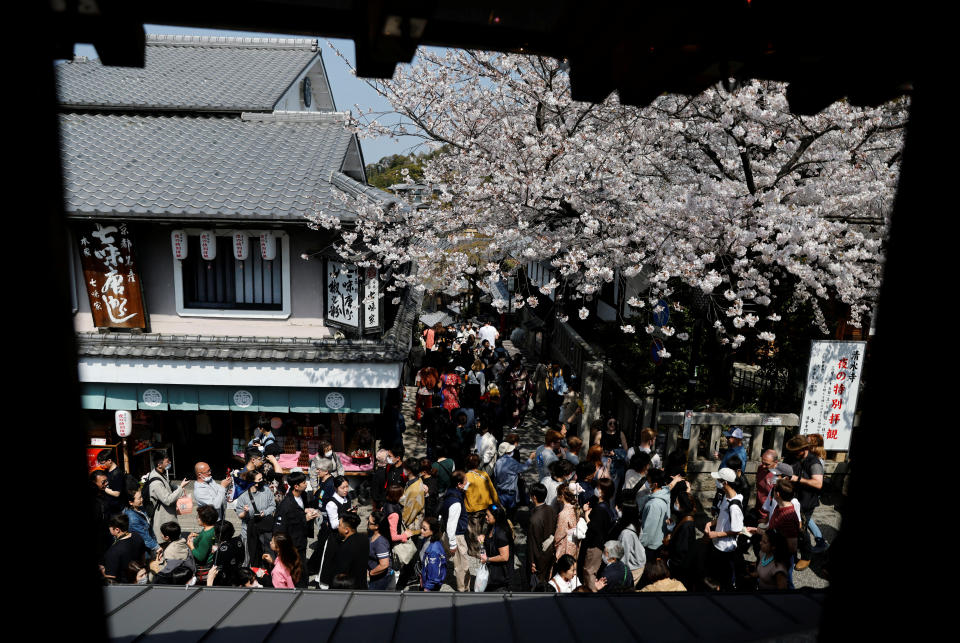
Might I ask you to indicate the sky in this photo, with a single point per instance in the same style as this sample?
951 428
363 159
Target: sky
349 92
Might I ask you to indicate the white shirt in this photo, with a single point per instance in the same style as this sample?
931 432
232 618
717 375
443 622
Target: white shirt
551 486
489 333
333 514
453 516
730 518
486 446
564 586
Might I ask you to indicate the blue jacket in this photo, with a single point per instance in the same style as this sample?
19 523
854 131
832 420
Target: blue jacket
505 474
433 563
141 527
739 452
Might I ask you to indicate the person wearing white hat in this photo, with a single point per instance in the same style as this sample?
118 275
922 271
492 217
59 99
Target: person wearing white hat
724 530
735 448
506 473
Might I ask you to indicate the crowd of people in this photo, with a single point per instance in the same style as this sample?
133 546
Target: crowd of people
601 517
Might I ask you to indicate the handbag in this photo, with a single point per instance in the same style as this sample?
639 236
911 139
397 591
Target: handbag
184 505
403 553
263 525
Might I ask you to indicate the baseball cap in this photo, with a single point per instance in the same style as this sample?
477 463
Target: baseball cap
725 474
505 447
736 432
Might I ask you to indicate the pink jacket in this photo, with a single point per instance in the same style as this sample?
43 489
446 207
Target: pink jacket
281 576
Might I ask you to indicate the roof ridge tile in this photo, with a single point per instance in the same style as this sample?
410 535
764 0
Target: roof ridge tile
179 40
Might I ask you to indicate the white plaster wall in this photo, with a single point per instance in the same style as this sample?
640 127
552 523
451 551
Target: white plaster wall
155 264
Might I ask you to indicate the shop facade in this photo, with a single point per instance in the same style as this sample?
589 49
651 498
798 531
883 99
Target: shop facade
203 301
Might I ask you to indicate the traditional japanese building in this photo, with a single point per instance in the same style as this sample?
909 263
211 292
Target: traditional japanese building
202 298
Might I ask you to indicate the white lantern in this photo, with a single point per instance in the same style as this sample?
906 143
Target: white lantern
208 245
178 239
124 422
268 246
241 246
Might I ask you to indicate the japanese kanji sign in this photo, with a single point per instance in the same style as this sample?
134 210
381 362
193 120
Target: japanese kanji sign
343 294
833 380
371 300
110 276
353 297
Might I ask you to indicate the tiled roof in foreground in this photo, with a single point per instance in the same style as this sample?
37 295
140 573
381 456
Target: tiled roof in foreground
196 73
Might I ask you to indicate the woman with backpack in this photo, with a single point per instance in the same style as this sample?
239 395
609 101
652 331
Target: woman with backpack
400 538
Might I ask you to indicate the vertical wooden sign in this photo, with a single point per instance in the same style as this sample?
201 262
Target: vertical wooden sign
110 276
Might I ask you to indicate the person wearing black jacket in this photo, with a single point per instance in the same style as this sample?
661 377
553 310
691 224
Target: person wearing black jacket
295 516
353 551
600 518
681 542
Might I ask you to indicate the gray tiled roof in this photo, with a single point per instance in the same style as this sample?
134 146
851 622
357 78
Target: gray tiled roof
220 348
194 73
394 346
261 166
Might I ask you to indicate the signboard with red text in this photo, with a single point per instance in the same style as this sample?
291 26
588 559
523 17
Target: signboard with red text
830 401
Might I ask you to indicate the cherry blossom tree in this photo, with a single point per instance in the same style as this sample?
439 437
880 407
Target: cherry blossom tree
725 197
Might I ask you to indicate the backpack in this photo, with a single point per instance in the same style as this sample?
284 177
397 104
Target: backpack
149 506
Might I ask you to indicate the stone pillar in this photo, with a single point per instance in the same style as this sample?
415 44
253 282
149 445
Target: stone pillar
592 390
648 409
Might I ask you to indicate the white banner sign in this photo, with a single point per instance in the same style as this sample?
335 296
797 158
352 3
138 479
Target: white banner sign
343 296
371 300
833 381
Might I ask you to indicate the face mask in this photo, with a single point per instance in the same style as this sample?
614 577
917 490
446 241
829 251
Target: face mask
328 454
676 507
389 460
466 486
167 468
619 513
208 479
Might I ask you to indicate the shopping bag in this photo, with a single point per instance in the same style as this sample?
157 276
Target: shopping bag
483 575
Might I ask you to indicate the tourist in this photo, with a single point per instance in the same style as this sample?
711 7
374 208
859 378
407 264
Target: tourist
541 534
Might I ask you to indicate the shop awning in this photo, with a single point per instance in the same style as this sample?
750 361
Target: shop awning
138 372
269 399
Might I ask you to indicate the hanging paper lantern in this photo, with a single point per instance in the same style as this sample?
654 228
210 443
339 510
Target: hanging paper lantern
178 239
208 245
268 246
124 423
241 246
